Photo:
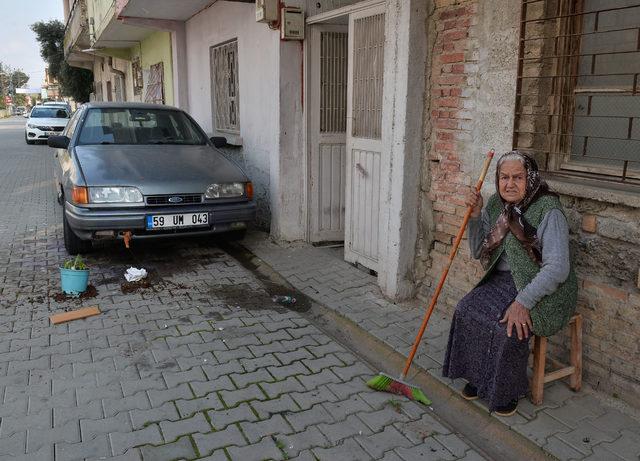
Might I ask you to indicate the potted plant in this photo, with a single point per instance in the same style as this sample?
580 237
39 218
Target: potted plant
74 276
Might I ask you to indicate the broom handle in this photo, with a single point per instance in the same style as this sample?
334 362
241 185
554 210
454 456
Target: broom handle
454 250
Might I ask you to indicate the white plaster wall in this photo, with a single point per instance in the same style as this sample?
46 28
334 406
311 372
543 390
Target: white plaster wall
258 49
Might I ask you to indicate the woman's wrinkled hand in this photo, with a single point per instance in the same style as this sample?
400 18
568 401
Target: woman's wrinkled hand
518 316
474 200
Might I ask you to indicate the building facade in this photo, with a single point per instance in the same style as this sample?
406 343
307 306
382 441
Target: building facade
369 127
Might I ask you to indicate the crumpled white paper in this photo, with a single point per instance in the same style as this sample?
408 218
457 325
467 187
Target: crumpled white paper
133 274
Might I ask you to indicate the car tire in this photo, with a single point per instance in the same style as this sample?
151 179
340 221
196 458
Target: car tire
28 140
236 235
72 242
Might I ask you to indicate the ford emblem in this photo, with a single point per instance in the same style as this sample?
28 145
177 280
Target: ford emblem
175 199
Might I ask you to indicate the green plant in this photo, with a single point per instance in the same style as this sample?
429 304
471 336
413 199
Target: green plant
75 264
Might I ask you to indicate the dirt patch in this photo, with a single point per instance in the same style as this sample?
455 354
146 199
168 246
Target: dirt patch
132 287
90 292
35 299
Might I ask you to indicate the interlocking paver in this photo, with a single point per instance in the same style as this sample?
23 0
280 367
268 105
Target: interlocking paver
222 418
255 431
90 449
232 398
207 443
165 412
180 449
158 397
91 428
208 402
171 430
121 442
347 451
265 449
341 430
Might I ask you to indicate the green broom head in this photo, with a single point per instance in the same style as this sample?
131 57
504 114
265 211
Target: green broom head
384 382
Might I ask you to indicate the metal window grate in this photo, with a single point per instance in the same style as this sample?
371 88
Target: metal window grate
333 82
578 91
224 71
155 87
367 77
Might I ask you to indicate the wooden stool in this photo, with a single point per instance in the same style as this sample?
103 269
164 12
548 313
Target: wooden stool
574 371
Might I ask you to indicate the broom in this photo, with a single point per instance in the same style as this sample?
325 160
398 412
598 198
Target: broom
386 383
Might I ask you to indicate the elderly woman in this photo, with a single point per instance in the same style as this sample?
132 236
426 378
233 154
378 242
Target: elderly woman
522 239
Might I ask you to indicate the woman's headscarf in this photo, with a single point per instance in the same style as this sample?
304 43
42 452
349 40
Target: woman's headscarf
511 219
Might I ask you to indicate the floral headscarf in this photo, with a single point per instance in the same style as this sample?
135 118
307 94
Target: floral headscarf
511 219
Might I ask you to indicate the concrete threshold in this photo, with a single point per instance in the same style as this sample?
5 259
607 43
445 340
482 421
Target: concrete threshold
486 434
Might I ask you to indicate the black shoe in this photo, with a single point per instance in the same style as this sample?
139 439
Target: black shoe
469 392
508 409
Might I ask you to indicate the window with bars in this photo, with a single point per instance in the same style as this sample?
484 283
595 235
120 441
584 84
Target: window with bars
578 91
224 87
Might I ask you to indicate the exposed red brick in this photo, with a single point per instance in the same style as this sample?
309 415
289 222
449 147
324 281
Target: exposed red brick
589 223
457 69
447 102
452 79
444 136
455 35
447 124
453 57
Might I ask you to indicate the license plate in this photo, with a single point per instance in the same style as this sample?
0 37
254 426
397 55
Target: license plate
167 221
50 133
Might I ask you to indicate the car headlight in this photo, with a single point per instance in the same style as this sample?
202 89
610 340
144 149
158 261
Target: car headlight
29 125
114 195
233 189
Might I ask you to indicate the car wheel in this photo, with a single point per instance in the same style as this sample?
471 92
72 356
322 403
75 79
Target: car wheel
72 242
27 139
236 235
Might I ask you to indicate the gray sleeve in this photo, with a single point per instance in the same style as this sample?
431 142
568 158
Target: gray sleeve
478 229
553 234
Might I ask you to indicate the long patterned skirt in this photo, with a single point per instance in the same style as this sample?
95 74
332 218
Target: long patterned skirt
479 349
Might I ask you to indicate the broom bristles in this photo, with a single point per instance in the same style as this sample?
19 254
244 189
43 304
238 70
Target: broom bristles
386 383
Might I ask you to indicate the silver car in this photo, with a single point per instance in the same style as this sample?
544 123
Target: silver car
134 171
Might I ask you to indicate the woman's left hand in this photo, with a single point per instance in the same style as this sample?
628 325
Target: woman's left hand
517 315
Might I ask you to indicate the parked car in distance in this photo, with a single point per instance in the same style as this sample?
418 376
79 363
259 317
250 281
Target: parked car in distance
20 110
45 121
133 170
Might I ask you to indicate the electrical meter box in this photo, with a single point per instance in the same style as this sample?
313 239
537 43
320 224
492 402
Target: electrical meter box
292 27
266 10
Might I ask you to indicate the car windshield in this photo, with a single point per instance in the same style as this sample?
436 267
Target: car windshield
49 112
139 126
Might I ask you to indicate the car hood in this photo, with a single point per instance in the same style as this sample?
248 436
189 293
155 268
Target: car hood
48 121
156 169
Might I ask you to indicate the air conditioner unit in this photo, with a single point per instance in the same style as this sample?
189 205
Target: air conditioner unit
292 27
266 10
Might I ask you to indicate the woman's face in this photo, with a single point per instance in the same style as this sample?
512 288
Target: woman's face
512 181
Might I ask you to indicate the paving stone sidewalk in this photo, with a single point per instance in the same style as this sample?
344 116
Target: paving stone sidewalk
201 364
567 425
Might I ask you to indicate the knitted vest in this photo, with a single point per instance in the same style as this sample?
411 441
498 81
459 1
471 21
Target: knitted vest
555 310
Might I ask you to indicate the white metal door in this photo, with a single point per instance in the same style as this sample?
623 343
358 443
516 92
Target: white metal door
364 136
327 131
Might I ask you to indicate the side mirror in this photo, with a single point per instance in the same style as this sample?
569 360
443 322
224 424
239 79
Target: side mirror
61 142
219 141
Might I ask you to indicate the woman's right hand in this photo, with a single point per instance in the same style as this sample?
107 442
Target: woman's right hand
474 200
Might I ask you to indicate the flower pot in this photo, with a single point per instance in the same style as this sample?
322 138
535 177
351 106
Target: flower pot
74 282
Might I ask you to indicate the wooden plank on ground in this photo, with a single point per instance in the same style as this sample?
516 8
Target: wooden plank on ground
74 315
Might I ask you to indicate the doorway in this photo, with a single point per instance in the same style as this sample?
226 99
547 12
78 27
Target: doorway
344 132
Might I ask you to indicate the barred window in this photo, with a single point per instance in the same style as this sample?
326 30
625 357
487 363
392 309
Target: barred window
578 91
224 86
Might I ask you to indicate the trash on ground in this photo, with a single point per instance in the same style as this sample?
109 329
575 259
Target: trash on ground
284 299
74 315
134 274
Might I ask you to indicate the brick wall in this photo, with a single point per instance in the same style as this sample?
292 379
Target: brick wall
605 238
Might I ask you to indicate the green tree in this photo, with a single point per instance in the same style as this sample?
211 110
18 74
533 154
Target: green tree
74 82
19 78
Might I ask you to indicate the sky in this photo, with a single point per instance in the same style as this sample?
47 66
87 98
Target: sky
18 45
